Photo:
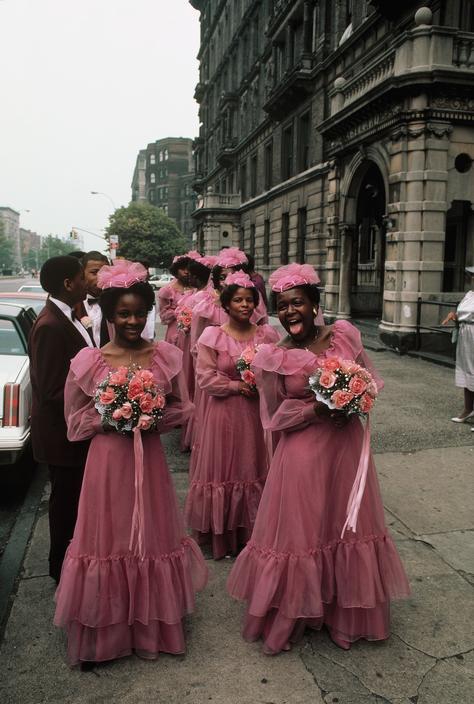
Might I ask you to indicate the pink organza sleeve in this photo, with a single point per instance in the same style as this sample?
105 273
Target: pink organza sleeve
364 360
277 410
82 419
167 305
209 378
198 325
178 406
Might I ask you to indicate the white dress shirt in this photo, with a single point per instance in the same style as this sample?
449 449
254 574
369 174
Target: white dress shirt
67 310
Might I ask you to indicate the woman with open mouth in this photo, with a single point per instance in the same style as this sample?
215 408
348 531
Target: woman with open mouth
301 567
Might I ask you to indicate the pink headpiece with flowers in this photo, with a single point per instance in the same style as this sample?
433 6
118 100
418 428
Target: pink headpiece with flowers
231 256
193 254
239 278
122 274
180 256
208 260
293 275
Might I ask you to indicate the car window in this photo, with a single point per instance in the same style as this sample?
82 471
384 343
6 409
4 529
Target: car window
10 339
35 303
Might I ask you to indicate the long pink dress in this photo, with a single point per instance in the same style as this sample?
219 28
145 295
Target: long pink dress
183 343
168 298
231 460
114 598
296 571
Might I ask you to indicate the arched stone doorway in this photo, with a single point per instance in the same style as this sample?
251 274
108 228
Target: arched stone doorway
367 206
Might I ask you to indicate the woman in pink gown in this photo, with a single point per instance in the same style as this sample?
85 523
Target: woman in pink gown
297 570
199 272
170 296
130 572
232 462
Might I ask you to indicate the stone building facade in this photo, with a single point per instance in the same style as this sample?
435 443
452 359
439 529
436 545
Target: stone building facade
11 228
163 176
341 133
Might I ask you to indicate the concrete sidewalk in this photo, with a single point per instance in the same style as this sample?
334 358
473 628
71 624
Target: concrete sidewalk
425 465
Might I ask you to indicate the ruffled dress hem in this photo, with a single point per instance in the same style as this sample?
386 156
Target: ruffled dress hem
223 506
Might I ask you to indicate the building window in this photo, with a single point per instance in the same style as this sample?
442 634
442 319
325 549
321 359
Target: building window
301 236
152 178
268 157
287 153
252 240
253 176
161 156
165 208
151 195
285 237
165 154
152 159
243 181
303 142
266 242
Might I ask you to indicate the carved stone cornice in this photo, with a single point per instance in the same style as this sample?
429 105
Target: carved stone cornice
431 129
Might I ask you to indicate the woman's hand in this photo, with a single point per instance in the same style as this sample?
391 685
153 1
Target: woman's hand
339 418
450 317
246 390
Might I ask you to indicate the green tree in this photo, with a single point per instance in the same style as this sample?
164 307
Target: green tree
6 250
146 233
52 246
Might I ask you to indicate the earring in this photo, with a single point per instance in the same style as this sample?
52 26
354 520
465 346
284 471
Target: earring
315 311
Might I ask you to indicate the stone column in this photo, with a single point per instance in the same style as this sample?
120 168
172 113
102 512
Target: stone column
415 242
346 236
331 305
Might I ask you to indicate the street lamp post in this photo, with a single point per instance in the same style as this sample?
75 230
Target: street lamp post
106 195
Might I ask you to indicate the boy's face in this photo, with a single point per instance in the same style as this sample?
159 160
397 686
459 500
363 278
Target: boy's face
91 270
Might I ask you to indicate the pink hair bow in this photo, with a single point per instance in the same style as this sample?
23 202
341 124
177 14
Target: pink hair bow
193 254
208 260
293 275
231 256
239 278
122 274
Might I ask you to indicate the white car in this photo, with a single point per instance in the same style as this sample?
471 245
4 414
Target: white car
16 322
161 280
32 288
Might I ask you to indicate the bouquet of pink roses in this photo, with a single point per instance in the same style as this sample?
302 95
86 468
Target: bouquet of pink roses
128 398
345 386
184 318
243 367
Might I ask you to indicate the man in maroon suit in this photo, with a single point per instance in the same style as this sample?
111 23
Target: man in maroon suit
56 338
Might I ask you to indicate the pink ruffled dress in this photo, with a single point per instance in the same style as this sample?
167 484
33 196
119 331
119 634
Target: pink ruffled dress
231 459
183 342
296 571
168 299
122 591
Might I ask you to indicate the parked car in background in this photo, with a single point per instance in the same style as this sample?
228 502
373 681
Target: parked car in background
25 298
160 280
16 322
32 288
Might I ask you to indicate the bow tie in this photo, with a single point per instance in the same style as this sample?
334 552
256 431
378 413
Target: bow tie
92 301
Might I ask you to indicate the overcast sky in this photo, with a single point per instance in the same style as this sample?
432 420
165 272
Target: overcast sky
84 85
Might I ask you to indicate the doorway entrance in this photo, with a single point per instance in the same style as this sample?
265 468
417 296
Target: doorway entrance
368 250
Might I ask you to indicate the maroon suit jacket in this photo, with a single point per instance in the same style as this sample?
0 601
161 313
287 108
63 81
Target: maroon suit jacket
53 342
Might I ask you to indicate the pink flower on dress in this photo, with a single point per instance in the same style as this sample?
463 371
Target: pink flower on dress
331 364
248 377
145 422
327 379
341 398
108 396
366 403
147 403
248 354
119 377
357 385
135 388
160 401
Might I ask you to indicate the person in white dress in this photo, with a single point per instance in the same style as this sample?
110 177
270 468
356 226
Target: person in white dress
464 375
